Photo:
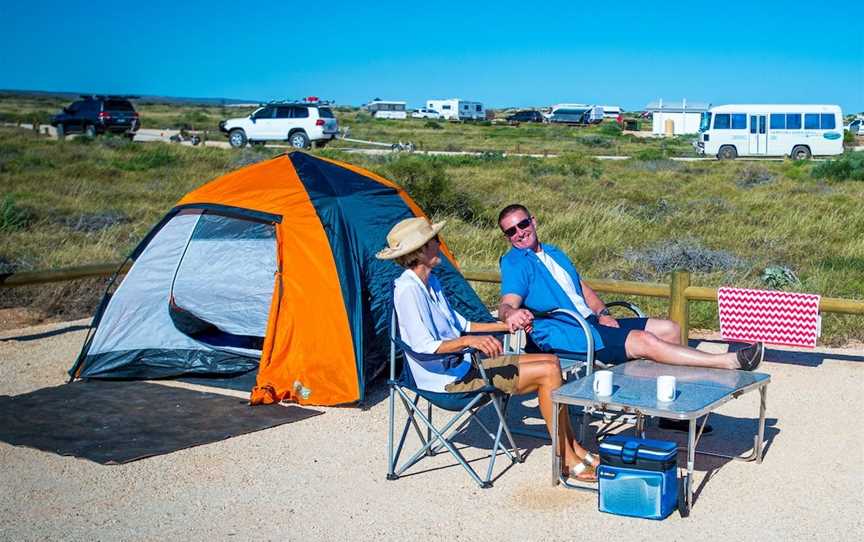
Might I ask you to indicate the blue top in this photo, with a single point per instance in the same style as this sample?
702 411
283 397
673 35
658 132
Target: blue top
523 274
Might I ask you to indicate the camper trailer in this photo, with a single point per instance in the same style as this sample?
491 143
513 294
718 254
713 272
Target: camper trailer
456 109
611 111
797 131
575 114
383 109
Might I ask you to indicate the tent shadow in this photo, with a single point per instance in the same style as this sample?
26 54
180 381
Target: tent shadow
45 334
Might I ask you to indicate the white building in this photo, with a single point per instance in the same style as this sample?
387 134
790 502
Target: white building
675 118
456 109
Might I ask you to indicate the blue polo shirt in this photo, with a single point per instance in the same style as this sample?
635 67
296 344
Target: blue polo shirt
523 274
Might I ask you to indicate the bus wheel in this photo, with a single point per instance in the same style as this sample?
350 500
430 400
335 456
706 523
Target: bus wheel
800 152
727 152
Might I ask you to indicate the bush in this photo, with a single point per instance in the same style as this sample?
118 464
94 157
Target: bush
754 175
683 255
779 277
579 165
427 182
849 167
647 155
610 129
595 141
433 125
12 217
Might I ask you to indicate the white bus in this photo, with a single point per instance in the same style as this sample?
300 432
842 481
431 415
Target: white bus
383 109
797 131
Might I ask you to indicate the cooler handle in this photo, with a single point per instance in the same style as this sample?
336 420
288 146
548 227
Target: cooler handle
629 451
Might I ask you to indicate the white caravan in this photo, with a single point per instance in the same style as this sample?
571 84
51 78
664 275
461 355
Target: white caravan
611 111
456 109
383 109
798 131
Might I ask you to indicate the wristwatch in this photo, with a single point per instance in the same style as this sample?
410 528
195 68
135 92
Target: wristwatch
604 312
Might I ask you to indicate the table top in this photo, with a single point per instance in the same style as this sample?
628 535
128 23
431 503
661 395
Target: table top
634 386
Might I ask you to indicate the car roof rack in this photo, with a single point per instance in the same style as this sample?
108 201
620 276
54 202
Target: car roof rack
309 100
109 97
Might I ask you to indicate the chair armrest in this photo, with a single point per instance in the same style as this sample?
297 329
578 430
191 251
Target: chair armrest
583 323
627 305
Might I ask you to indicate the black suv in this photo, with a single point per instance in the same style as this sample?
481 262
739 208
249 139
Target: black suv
93 115
525 116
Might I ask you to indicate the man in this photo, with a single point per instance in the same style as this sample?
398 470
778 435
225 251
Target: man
540 276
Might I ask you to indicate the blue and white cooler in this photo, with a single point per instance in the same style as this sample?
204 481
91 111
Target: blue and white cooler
638 477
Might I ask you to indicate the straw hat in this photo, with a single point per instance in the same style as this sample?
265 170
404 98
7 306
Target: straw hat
409 235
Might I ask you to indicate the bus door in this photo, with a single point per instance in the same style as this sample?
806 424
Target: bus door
758 135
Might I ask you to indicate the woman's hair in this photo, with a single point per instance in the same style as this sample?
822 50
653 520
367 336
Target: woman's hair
411 259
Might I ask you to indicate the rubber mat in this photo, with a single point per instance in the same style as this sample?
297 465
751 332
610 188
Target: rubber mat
113 422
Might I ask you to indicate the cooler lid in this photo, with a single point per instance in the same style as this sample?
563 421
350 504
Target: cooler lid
630 448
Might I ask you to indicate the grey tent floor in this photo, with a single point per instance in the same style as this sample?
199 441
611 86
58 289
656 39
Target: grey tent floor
112 422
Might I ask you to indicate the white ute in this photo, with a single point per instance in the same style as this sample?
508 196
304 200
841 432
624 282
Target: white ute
299 123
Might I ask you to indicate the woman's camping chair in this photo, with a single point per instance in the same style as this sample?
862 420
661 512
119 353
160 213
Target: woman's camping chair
466 406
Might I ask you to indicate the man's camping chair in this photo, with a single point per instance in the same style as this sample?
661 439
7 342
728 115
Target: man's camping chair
578 364
465 405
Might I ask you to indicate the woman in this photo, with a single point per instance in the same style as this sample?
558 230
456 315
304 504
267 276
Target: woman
429 325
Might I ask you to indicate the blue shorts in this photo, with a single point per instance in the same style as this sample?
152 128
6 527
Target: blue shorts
613 338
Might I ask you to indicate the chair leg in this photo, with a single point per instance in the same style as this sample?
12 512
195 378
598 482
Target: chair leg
391 463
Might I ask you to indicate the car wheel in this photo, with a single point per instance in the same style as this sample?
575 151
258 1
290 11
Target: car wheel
61 131
237 138
727 152
298 140
800 152
90 130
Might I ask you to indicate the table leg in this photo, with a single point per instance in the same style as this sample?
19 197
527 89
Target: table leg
691 460
556 465
760 438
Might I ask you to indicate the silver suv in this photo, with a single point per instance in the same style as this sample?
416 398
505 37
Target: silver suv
299 123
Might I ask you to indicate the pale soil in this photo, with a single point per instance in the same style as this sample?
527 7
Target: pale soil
323 478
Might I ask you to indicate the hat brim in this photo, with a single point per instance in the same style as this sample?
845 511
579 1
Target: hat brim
391 253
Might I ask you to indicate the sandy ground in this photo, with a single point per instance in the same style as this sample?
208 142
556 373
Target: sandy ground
323 478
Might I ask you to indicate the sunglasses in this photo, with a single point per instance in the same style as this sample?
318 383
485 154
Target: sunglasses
522 225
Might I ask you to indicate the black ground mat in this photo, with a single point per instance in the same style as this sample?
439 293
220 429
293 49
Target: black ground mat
113 422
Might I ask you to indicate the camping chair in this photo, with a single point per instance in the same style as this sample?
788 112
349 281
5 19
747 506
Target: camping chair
465 405
577 364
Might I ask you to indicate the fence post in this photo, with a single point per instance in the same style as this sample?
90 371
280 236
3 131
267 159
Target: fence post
679 308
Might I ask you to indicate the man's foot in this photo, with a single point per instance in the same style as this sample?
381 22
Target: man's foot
749 358
682 425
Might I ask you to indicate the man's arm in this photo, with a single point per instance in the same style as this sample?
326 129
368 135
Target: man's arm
596 304
509 311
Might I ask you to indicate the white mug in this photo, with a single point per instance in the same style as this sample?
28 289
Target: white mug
603 383
665 388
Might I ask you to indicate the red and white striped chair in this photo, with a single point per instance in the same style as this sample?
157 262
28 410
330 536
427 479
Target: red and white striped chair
784 318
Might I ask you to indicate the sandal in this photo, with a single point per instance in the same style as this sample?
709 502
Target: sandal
585 470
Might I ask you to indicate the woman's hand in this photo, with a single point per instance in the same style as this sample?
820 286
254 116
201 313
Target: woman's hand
487 344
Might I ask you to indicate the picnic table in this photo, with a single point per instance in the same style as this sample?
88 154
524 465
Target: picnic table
699 392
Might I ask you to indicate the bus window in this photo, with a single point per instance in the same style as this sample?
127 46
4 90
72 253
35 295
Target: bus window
793 121
778 121
739 121
828 122
721 121
811 121
705 122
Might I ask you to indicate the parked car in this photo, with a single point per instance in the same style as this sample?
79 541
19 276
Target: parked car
526 116
301 124
92 115
856 127
425 113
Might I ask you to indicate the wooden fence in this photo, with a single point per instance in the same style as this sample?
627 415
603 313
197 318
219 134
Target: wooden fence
678 291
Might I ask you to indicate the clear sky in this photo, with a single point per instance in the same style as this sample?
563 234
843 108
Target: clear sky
502 53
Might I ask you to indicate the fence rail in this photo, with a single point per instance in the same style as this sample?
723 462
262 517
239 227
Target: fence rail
679 291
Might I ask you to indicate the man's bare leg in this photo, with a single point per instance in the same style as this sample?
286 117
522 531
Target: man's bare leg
666 330
644 344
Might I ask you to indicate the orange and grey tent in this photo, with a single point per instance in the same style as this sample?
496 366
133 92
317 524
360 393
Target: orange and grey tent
270 267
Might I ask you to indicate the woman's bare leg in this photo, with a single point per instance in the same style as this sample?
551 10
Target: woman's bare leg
541 373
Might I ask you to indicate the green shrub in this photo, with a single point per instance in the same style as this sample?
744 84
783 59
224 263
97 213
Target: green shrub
153 157
12 217
849 167
610 129
779 277
849 139
427 182
650 154
579 165
593 140
433 125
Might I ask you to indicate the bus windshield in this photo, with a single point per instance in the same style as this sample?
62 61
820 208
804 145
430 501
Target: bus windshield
705 122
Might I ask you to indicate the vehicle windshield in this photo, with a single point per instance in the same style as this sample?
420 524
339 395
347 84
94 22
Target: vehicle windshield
705 122
118 105
325 113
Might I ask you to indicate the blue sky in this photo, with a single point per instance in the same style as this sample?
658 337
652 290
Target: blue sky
502 53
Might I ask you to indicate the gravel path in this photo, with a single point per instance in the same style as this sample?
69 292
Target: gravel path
323 478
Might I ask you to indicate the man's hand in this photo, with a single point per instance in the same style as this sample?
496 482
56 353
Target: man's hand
487 344
608 321
520 319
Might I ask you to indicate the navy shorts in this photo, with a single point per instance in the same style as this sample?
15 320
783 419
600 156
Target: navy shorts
613 338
